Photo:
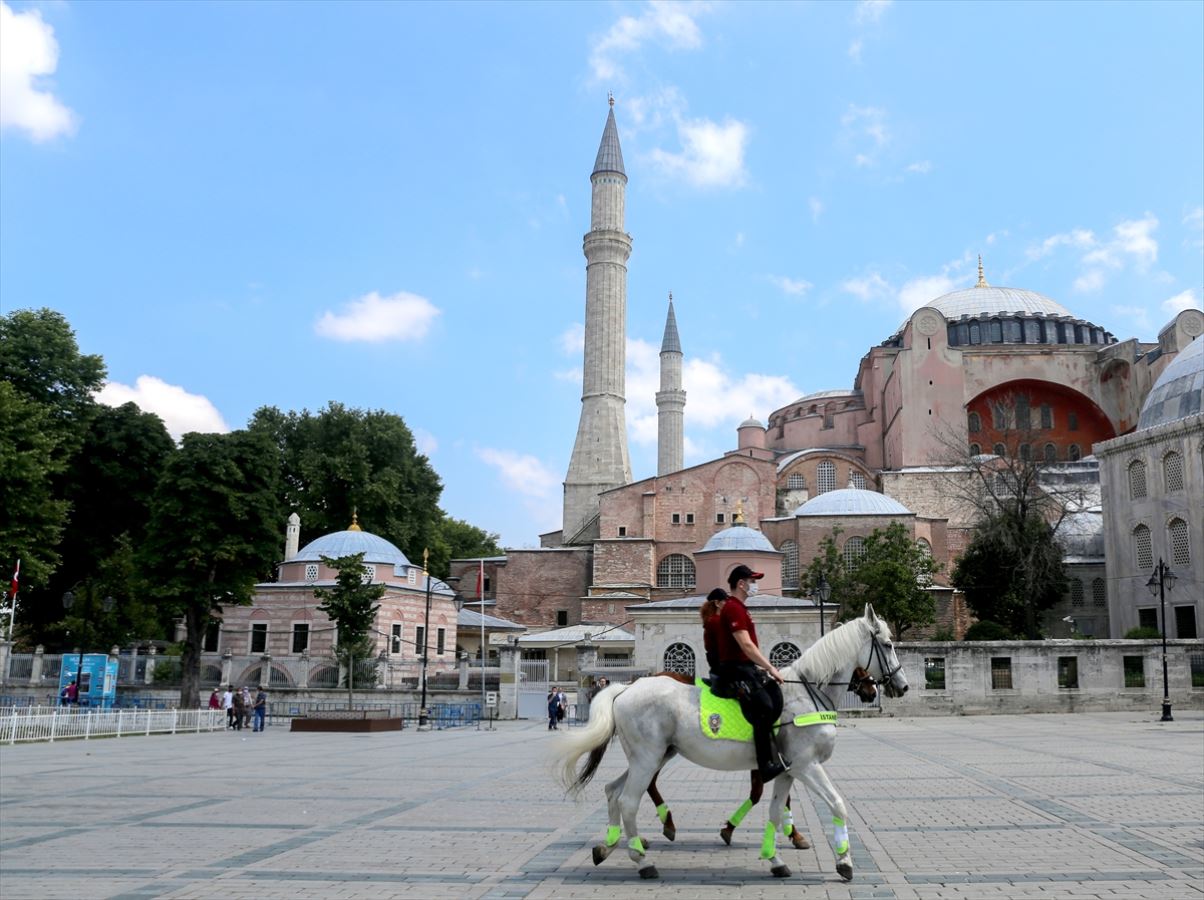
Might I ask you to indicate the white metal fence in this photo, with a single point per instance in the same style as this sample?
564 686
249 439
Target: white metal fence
50 723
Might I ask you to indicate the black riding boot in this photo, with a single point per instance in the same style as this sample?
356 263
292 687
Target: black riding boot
768 761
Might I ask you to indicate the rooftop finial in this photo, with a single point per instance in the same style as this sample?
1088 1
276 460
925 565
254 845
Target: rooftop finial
610 97
426 553
738 518
982 281
670 296
355 520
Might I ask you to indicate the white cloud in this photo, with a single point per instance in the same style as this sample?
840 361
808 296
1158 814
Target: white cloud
817 208
180 411
1136 239
739 241
667 23
920 168
373 318
521 472
1090 282
1139 315
712 154
650 112
1079 237
1132 242
855 50
572 340
426 442
28 53
1187 299
923 290
1194 222
795 286
868 287
860 123
870 12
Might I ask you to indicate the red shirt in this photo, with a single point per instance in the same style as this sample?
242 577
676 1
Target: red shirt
710 640
732 618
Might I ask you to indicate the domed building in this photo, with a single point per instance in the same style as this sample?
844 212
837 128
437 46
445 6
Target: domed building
1152 482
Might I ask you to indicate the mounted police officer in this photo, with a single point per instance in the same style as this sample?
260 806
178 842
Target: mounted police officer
738 673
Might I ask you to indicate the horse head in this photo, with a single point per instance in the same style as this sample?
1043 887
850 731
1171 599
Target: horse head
882 655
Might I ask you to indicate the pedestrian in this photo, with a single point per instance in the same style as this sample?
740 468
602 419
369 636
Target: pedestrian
738 676
65 695
260 708
553 709
73 694
562 705
215 700
247 703
228 706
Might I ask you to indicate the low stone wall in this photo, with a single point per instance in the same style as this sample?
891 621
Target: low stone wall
1046 676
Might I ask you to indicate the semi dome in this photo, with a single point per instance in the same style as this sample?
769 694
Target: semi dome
344 543
1081 533
740 538
978 301
1176 393
852 502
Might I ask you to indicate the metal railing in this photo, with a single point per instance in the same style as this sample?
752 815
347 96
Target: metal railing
41 723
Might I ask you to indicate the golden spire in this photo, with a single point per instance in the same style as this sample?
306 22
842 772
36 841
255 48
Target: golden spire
982 281
738 518
426 552
355 520
611 99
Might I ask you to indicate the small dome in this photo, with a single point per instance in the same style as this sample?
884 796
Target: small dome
739 537
1176 393
344 543
976 301
1081 533
751 422
852 502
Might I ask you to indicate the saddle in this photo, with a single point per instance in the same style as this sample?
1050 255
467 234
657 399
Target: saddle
720 718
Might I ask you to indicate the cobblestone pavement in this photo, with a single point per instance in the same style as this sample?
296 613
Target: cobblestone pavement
1041 806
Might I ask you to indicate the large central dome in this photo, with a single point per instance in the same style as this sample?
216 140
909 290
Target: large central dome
980 300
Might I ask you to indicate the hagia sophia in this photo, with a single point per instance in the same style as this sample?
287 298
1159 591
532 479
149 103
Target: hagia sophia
1115 425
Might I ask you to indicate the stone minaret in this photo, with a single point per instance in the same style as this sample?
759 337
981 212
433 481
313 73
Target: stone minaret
600 461
670 402
292 536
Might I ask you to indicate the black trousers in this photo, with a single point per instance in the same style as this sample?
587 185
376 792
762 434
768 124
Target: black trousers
760 701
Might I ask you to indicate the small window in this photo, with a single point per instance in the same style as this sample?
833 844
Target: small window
412 575
301 636
622 531
562 618
1072 421
1046 416
1136 480
975 450
1195 664
795 482
1068 672
1032 331
996 331
999 450
719 518
1172 471
679 658
974 422
1143 552
1147 617
789 564
999 417
1001 673
213 633
1185 623
825 477
311 572
440 638
1051 333
368 574
259 637
675 571
857 480
1076 593
854 550
1026 452
1180 545
420 640
975 333
675 518
1051 453
395 639
689 518
1024 414
1134 671
783 654
1073 454
934 673
1099 592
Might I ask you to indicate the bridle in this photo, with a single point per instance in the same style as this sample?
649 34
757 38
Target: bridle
878 652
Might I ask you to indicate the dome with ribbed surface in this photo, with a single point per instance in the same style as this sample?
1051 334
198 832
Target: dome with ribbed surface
977 301
345 543
1177 392
852 502
739 537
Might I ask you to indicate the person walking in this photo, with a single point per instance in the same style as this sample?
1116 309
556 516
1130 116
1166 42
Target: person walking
738 676
553 709
228 706
215 700
246 705
240 710
260 709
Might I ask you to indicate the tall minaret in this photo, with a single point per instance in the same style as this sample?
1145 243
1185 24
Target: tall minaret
600 461
670 402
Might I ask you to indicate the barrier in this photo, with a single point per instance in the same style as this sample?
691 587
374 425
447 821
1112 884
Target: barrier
41 723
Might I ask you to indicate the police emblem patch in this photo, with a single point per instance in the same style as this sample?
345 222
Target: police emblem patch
715 722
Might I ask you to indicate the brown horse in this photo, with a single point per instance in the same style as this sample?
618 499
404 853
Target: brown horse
862 684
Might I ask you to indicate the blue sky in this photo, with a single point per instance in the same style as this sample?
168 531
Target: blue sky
248 204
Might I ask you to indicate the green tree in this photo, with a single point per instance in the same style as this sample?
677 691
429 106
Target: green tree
829 565
351 604
214 531
894 575
457 539
342 461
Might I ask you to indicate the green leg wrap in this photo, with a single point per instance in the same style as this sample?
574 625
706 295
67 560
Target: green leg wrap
840 836
612 835
787 821
769 845
662 812
637 845
738 816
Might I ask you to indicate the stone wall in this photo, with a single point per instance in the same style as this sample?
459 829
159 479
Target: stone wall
537 583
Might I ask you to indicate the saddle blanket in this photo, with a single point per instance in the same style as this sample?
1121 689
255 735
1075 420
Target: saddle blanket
721 719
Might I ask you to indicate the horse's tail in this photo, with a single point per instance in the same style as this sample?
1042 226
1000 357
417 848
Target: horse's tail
593 739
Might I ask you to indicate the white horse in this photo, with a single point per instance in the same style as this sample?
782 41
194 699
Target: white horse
657 717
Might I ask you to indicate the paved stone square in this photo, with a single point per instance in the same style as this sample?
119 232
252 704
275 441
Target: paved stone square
1040 806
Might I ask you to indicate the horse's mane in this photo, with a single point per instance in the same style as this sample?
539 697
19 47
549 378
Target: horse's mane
835 650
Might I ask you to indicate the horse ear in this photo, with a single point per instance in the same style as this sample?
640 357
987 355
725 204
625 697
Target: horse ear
870 616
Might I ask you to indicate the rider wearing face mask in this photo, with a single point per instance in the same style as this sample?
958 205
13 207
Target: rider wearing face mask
738 675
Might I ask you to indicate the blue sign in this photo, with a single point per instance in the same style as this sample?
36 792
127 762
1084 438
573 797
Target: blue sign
97 673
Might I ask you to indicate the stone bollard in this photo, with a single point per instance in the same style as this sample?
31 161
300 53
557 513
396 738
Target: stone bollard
6 653
227 667
35 674
151 660
303 681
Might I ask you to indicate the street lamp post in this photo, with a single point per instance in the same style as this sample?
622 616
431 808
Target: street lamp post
1160 582
823 591
68 602
426 641
479 603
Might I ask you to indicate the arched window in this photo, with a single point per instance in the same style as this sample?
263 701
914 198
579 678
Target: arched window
675 571
825 477
1032 331
999 450
1026 452
1099 592
854 550
925 547
1011 331
784 654
789 564
1143 552
796 482
1051 453
1024 414
1136 479
1046 416
975 333
974 422
1051 332
1073 453
856 480
679 658
1172 471
1076 593
1180 542
975 449
996 331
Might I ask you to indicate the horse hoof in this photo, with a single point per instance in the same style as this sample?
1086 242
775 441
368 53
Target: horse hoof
726 834
845 871
649 872
781 871
799 842
669 831
599 854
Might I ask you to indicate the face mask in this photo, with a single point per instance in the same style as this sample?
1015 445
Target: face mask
752 589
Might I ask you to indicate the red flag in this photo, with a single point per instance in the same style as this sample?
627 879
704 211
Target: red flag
16 577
